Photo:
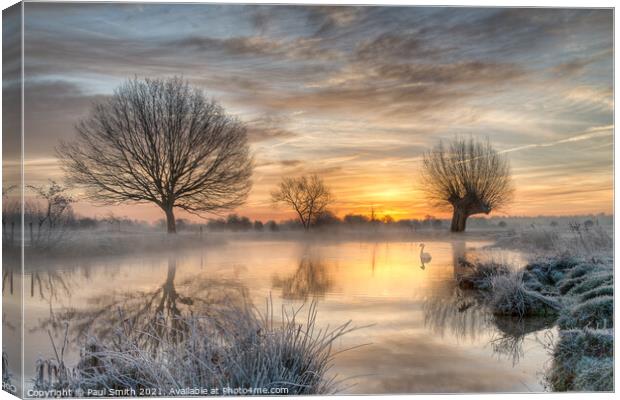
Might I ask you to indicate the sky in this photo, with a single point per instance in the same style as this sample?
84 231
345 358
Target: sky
355 94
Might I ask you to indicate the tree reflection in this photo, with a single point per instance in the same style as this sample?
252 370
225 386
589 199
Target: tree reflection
459 314
8 279
50 286
459 252
463 314
160 312
311 279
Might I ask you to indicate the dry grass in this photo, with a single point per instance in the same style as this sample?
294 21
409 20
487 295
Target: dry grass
480 274
578 241
243 350
508 295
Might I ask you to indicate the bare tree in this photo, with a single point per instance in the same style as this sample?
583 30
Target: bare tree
57 203
51 211
469 176
307 195
162 142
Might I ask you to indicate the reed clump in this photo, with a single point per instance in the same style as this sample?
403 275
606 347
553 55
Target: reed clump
239 350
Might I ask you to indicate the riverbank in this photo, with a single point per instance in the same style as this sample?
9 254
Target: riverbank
572 282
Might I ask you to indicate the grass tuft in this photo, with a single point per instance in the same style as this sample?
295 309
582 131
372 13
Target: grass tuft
243 350
510 296
480 274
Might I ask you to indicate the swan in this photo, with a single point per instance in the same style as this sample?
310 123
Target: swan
424 257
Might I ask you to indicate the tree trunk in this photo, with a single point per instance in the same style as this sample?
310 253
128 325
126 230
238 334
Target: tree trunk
171 223
459 219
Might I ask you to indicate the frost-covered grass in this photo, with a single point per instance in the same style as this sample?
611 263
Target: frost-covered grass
579 240
509 295
595 313
578 291
544 239
583 360
480 274
242 349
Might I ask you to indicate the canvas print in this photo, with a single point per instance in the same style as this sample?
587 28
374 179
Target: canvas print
228 199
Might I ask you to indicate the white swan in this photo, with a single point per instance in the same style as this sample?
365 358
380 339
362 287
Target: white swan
424 257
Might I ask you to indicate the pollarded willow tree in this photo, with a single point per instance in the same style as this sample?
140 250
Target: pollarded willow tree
163 142
469 176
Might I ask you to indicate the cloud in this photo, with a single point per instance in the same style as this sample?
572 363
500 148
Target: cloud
391 46
400 90
319 85
258 46
506 30
592 95
268 127
460 73
290 163
52 109
262 133
596 132
330 18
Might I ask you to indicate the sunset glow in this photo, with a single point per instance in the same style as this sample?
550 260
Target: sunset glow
354 94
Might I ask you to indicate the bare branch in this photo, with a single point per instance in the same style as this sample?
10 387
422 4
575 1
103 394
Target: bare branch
163 142
467 175
307 195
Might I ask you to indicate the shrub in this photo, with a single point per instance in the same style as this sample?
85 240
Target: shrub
595 374
532 283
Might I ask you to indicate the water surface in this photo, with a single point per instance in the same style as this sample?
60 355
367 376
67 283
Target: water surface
421 335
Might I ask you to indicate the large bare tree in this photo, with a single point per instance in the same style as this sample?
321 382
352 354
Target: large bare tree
469 176
307 195
162 142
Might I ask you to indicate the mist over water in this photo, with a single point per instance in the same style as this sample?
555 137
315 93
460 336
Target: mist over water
419 333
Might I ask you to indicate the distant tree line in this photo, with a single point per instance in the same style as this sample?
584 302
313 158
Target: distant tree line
49 218
236 223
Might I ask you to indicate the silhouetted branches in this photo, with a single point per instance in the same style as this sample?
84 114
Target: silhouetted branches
468 175
307 195
163 142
